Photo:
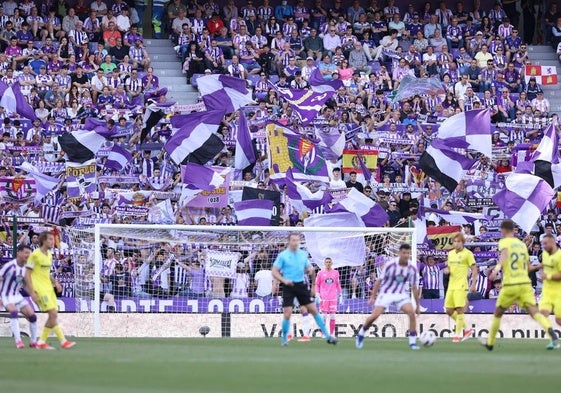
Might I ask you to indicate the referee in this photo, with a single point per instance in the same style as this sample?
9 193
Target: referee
290 268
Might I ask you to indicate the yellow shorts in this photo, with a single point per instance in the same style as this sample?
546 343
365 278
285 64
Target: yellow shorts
551 301
456 298
522 294
47 300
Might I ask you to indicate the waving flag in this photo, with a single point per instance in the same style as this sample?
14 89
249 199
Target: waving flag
44 183
332 142
442 237
357 160
196 139
457 217
545 162
223 92
118 158
411 86
254 212
249 193
524 199
545 75
320 85
473 127
202 177
80 178
81 146
289 150
302 198
245 152
14 101
305 103
372 214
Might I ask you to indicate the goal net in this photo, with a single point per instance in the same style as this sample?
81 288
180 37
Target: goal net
170 281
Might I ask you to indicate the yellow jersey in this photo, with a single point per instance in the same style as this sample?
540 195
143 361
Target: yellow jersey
515 268
459 264
40 266
551 265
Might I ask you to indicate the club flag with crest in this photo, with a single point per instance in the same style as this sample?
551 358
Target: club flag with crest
352 158
290 150
81 178
545 75
18 189
305 103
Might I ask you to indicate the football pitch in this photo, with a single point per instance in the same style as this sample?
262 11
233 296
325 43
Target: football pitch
262 365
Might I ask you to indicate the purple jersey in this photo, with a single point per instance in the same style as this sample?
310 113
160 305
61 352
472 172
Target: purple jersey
430 275
11 279
398 279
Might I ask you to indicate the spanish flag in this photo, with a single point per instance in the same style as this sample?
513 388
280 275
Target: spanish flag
558 204
441 237
351 161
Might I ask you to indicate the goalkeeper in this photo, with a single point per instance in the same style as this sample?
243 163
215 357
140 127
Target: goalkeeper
328 289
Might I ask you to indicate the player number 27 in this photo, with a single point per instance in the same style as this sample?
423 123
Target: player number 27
515 257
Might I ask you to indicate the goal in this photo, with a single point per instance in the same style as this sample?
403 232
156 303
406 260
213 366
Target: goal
172 280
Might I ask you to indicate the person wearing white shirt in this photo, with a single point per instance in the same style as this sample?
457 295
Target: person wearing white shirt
540 103
336 183
460 88
98 82
331 41
123 20
263 281
100 7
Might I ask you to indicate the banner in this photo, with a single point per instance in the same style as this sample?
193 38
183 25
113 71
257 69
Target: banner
290 150
188 108
545 75
132 210
275 196
221 264
216 198
130 179
351 161
80 178
441 237
17 189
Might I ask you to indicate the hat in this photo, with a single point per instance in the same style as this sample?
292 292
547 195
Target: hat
479 33
309 58
356 73
207 71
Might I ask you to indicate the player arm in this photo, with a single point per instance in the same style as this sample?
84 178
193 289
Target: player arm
312 273
502 259
474 277
375 291
277 275
29 285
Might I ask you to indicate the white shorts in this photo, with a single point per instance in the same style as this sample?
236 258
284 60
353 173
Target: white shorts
387 299
16 300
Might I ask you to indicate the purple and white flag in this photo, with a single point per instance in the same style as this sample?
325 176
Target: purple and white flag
255 212
12 99
473 127
545 162
118 158
196 137
43 183
331 142
372 214
245 153
457 217
223 92
80 178
162 213
302 198
305 103
202 177
81 146
524 199
411 86
320 85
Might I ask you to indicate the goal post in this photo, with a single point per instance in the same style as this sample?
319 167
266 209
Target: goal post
170 280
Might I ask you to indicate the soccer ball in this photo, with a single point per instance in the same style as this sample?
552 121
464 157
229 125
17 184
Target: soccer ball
428 338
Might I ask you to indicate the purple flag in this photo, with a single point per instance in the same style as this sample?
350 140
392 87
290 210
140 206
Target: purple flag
320 85
411 86
545 160
471 127
14 101
305 103
44 183
223 92
81 146
524 199
332 142
118 158
196 137
255 212
459 218
365 171
245 153
201 177
372 214
302 198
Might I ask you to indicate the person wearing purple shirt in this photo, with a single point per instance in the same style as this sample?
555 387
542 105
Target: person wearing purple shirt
24 35
151 85
197 275
454 35
105 98
132 36
430 277
415 26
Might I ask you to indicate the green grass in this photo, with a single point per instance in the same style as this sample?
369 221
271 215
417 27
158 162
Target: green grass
261 365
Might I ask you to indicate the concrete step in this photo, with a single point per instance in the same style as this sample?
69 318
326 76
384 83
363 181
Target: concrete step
171 56
149 44
161 50
175 73
546 62
180 87
540 49
183 98
167 65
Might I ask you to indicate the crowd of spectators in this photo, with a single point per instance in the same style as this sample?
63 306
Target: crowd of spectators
75 61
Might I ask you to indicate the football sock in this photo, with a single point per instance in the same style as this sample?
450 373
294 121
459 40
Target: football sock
307 324
412 338
454 315
319 320
14 324
362 332
285 327
495 325
45 334
460 324
332 325
33 331
544 322
59 334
